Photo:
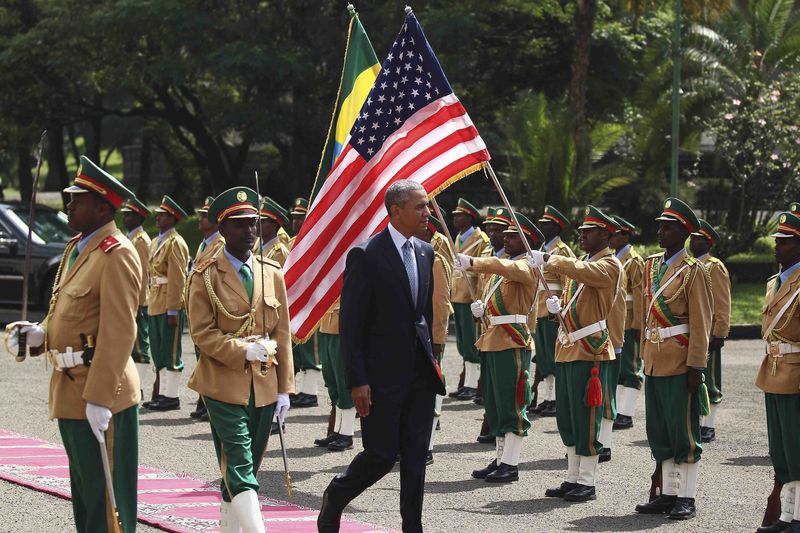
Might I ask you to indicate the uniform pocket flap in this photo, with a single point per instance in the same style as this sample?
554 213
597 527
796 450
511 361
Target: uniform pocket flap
271 301
78 292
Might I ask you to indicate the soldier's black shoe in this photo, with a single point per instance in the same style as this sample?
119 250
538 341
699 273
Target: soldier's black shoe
456 392
148 403
539 408
561 490
166 404
274 429
327 440
503 474
478 400
342 443
549 410
483 472
329 517
531 409
204 417
661 505
776 527
438 424
199 409
467 393
486 439
683 509
794 527
707 434
581 493
305 400
623 422
604 455
429 458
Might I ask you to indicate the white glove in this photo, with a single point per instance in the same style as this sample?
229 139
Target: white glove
256 351
462 262
34 338
34 335
536 258
477 309
98 418
553 305
282 407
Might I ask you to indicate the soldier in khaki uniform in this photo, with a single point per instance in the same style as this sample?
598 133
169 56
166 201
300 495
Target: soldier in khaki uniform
269 243
470 241
677 309
630 380
510 296
239 319
94 387
133 214
592 285
700 245
169 261
552 223
779 375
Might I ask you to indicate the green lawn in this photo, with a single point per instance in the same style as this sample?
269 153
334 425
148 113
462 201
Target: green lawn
746 300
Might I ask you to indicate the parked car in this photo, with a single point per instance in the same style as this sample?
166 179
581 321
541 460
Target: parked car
49 238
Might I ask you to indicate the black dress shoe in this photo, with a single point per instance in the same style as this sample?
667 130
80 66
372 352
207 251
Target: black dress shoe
503 474
429 458
199 409
342 443
330 516
531 410
604 455
148 403
274 429
456 392
549 410
166 404
661 505
560 491
776 527
623 422
683 509
538 409
478 400
483 472
204 417
581 493
467 393
707 434
486 439
327 440
794 527
305 400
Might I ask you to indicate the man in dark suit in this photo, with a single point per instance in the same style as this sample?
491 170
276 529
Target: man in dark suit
385 331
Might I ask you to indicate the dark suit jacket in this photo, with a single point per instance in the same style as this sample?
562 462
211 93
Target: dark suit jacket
385 339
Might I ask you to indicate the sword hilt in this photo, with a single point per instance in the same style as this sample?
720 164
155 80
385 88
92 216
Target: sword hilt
288 477
22 346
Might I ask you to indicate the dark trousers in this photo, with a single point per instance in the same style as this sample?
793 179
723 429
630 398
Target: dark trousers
399 422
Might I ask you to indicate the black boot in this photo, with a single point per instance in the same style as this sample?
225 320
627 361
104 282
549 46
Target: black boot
561 490
581 493
330 515
323 443
199 409
456 392
707 434
549 410
157 398
342 443
483 472
165 404
304 400
623 422
661 505
467 393
486 439
503 474
794 527
683 509
776 527
604 455
539 408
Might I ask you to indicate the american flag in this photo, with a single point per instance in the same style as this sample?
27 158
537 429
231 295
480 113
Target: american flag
411 126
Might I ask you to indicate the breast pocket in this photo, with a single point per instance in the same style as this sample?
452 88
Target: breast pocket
75 302
271 312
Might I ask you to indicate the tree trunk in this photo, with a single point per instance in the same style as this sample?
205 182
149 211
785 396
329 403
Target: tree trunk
144 165
24 174
58 176
584 24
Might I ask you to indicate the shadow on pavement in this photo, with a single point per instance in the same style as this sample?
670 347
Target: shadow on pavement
631 522
748 460
544 464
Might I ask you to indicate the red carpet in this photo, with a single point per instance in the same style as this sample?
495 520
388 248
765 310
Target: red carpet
167 500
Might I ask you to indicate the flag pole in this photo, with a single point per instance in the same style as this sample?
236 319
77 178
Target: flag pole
450 240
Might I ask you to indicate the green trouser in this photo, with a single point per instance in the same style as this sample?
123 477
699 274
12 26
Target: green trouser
306 355
330 353
713 373
86 477
673 419
579 424
240 438
165 342
467 333
630 370
506 391
544 340
610 388
141 347
783 419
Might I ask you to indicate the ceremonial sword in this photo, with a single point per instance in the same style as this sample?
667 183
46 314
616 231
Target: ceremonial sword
110 486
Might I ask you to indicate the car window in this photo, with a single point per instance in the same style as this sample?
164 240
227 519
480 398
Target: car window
49 226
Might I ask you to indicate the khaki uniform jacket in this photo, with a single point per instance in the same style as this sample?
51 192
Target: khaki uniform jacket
558 247
689 300
213 248
462 280
104 281
633 264
141 241
330 320
601 277
721 296
781 375
518 292
169 259
284 238
440 244
616 320
223 373
442 275
278 252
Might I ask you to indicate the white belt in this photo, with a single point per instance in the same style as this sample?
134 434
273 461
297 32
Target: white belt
66 359
508 319
160 280
568 339
551 286
629 297
656 335
778 349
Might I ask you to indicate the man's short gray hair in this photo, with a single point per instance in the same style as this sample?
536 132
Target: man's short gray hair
400 192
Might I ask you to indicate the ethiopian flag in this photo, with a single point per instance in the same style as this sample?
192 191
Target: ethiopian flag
361 69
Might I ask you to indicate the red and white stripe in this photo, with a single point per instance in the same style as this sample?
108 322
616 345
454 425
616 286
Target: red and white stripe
435 144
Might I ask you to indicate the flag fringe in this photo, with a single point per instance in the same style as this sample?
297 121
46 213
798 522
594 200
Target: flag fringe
464 173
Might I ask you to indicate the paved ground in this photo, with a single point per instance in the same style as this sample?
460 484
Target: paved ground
735 473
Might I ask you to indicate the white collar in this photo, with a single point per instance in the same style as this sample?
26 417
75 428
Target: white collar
134 231
399 239
623 251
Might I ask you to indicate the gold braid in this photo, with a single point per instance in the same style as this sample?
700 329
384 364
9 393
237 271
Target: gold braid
787 317
249 324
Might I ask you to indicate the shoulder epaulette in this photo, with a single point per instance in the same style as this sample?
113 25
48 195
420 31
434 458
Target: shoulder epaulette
714 260
109 243
689 260
484 237
269 262
204 264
